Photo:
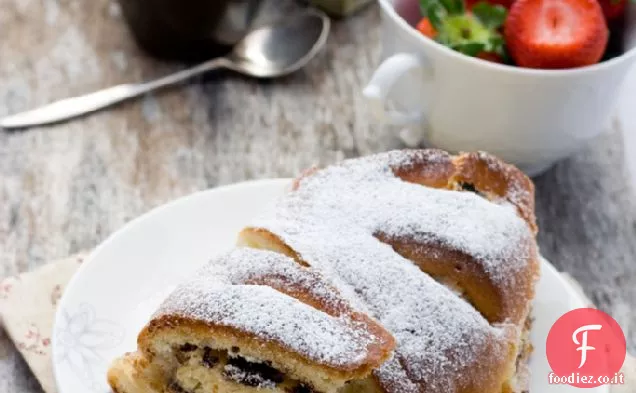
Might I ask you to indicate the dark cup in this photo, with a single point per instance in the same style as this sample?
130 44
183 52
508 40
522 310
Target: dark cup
189 30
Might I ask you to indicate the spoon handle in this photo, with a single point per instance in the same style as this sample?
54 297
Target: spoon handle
76 106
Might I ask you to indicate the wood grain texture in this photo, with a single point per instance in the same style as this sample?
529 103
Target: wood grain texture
65 188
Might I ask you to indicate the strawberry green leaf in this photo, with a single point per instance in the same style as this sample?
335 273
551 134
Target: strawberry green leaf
453 7
497 44
470 49
436 15
470 33
425 5
490 16
461 5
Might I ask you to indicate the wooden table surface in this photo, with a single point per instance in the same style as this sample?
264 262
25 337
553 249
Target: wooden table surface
65 188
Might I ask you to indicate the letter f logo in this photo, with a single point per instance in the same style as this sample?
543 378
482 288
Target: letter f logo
583 344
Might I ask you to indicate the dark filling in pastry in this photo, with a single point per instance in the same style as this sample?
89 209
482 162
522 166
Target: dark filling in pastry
210 357
174 387
235 368
251 374
468 187
301 389
187 347
520 359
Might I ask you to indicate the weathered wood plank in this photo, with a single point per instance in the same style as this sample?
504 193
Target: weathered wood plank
65 188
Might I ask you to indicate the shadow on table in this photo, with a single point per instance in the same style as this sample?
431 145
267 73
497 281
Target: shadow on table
587 218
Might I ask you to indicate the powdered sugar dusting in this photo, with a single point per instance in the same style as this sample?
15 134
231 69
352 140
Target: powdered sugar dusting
247 265
330 221
217 294
362 197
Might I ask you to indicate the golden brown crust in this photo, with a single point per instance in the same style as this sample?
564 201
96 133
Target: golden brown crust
384 342
489 175
430 167
195 315
377 350
133 373
263 239
496 181
499 181
189 327
459 271
499 301
497 306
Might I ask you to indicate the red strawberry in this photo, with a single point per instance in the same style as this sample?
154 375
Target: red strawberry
556 33
613 9
425 27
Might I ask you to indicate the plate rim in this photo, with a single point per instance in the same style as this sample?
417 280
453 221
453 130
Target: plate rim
121 231
576 296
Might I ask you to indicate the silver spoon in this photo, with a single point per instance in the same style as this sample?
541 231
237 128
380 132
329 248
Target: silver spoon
267 52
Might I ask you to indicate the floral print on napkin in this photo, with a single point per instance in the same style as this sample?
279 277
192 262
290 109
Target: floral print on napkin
27 311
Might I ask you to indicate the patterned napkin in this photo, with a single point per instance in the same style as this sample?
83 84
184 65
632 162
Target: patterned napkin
27 310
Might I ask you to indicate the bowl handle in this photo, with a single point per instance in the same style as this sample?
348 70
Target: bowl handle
377 93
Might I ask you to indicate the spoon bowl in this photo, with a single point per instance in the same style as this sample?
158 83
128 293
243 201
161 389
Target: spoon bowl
274 51
267 52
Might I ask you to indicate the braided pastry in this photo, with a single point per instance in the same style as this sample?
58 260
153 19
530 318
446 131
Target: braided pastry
251 320
403 272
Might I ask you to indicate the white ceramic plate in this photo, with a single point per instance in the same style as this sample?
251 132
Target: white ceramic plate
124 280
